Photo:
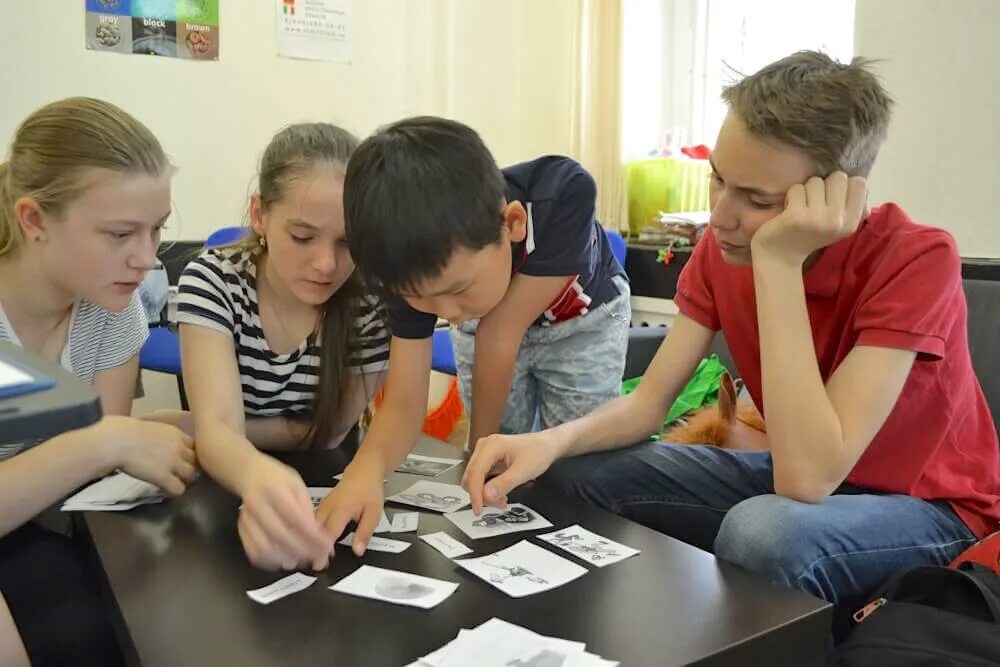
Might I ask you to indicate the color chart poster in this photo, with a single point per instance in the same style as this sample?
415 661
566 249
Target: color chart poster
186 29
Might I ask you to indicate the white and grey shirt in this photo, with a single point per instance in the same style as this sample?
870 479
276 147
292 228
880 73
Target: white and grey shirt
98 339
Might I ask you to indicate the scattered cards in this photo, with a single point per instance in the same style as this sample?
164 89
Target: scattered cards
497 643
293 583
523 569
433 496
494 521
378 544
396 587
446 544
428 466
589 546
113 493
404 522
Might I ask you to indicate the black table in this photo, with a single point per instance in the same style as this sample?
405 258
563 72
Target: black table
178 577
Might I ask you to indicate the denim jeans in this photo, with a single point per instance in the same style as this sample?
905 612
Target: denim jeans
563 371
723 501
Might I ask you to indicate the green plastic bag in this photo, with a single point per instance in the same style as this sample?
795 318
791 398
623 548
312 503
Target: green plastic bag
702 389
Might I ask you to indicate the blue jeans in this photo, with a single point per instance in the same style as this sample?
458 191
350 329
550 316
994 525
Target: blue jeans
563 371
723 501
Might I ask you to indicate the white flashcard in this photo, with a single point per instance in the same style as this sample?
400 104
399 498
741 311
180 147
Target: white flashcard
318 493
589 546
113 493
523 569
404 522
339 476
397 587
428 466
446 544
495 521
433 496
378 544
293 583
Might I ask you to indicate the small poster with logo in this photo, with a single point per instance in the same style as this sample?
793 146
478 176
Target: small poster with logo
314 29
187 29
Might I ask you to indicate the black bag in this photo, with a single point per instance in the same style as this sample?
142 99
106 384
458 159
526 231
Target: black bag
928 616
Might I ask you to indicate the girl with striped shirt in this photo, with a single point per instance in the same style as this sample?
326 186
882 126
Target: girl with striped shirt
84 194
281 347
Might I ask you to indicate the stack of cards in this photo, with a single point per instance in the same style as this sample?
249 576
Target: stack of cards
115 493
497 643
396 587
433 496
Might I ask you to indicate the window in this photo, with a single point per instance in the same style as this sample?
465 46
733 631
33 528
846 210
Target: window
678 54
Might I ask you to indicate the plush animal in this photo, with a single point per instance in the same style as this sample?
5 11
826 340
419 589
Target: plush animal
730 423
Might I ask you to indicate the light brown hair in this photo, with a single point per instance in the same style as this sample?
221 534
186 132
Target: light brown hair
57 151
835 113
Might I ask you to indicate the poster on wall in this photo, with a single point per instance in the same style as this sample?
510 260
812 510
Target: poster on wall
186 29
314 29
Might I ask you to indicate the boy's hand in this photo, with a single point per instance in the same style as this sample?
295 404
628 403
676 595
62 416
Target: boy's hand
525 457
358 496
277 525
817 214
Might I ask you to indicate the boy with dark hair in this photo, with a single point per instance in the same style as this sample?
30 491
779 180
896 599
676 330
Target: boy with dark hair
848 326
513 258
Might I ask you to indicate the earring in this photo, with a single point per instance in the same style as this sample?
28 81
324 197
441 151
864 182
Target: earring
262 242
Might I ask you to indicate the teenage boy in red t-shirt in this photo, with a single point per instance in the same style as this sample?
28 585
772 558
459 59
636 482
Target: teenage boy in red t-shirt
848 326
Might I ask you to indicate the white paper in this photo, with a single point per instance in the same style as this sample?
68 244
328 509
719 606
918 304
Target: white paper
515 518
11 376
428 466
339 476
497 643
314 29
405 522
523 569
397 587
589 546
378 544
446 544
114 493
293 583
433 496
318 493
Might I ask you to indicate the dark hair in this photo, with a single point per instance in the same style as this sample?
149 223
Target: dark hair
836 113
416 191
290 155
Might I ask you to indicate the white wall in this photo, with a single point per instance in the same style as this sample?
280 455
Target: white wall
503 66
942 158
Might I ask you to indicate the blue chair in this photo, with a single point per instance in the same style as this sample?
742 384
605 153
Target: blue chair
161 352
618 247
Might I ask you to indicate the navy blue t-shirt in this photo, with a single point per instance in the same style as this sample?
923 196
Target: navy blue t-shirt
563 239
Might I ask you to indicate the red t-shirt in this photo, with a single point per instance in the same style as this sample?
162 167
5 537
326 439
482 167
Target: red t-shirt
894 284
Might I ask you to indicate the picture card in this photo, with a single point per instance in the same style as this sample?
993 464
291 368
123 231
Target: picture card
284 587
378 544
446 544
428 466
492 521
523 569
434 496
404 522
588 546
397 587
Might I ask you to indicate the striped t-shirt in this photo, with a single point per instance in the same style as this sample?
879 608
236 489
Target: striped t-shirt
218 290
98 339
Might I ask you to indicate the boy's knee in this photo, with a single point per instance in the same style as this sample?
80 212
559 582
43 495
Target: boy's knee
767 534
